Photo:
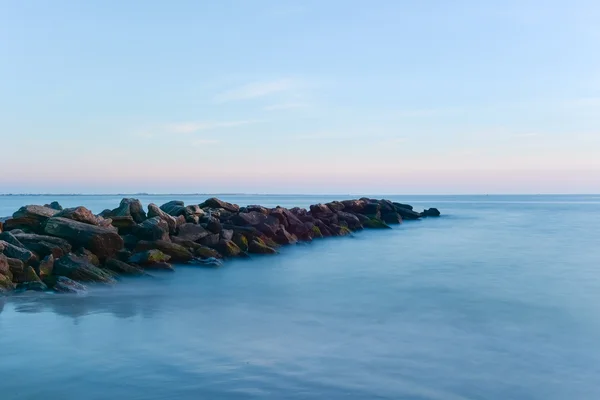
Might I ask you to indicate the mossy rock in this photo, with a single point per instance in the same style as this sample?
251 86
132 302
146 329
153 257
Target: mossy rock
258 246
270 242
316 232
376 224
5 283
228 248
207 252
241 241
149 257
344 231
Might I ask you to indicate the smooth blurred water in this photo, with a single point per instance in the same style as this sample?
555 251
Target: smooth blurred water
497 299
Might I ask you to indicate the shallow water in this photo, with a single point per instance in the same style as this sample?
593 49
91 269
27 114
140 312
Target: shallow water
498 299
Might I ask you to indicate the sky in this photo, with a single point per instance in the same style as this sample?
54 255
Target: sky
398 97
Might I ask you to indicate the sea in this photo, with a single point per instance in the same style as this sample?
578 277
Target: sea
499 298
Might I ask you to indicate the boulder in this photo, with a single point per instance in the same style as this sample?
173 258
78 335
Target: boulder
405 213
175 252
404 206
130 208
284 237
130 241
207 252
122 268
355 206
84 215
124 224
88 255
36 286
227 234
391 218
12 251
30 218
373 223
213 224
210 240
29 240
319 209
192 232
213 202
62 284
103 242
228 248
155 211
6 284
174 208
154 228
25 274
256 208
240 240
431 212
257 246
372 210
335 206
4 267
351 220
80 269
248 219
148 257
46 266
9 237
54 205
386 206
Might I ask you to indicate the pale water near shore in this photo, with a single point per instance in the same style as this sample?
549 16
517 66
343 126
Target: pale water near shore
497 299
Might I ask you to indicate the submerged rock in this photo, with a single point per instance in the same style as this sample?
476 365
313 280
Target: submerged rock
431 212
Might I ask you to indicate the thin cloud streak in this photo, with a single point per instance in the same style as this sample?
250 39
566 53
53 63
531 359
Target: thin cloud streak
191 127
255 90
285 106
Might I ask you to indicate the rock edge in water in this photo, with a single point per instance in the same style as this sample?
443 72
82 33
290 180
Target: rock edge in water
47 247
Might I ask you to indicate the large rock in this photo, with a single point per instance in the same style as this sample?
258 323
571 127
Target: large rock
80 269
155 211
213 202
123 268
373 223
257 246
351 220
355 206
9 237
153 259
24 274
404 206
6 284
228 248
431 212
193 232
405 213
207 252
391 218
54 244
55 205
44 270
335 206
104 242
240 240
210 240
124 224
62 284
250 218
153 228
84 215
318 209
174 208
130 208
176 252
284 237
30 218
4 267
12 251
213 224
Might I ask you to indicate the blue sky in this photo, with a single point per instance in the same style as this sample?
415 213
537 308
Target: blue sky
300 97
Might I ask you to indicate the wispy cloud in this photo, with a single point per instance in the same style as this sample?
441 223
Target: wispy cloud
203 142
191 127
285 106
255 90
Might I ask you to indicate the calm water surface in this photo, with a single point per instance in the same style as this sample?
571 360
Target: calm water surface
498 299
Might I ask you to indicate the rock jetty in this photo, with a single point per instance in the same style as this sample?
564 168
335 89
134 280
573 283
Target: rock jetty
48 248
